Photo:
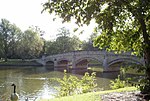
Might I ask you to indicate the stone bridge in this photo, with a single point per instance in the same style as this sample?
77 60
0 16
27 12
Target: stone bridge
80 59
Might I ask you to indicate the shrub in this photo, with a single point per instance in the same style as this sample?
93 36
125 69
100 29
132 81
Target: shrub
71 85
144 85
117 83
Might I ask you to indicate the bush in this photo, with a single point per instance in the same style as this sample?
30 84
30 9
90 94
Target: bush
117 83
144 85
71 85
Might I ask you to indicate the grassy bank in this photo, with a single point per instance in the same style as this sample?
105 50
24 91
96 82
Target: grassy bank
19 62
89 96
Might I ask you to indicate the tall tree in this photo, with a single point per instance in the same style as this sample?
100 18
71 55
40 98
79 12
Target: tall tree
63 43
30 45
51 47
88 44
41 34
5 32
124 24
8 39
13 41
62 40
1 45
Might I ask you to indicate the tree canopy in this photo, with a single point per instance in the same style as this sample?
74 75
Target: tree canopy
30 44
17 44
8 38
124 25
122 22
63 43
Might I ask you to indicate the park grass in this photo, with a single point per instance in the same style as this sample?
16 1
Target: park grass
94 96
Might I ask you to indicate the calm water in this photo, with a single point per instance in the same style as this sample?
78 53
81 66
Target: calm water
34 82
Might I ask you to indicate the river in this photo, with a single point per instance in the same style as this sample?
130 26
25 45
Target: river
35 82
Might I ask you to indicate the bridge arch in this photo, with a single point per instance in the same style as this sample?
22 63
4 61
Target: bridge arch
62 63
62 60
49 62
84 60
122 60
89 58
49 65
107 59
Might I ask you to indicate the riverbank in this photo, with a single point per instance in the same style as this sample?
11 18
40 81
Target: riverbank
18 62
123 94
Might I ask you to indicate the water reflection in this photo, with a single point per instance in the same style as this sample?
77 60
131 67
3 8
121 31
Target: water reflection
35 83
47 91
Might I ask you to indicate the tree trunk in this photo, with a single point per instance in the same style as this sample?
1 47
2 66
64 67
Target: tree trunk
146 46
5 51
147 62
146 51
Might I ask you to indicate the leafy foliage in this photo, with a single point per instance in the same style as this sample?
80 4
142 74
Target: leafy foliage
120 21
144 85
117 83
17 44
71 85
30 44
88 45
8 38
63 43
123 25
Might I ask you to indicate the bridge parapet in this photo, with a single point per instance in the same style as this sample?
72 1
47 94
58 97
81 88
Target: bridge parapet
107 58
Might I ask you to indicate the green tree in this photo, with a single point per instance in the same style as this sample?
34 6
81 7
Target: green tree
41 34
8 39
13 41
5 32
88 45
63 43
75 43
124 24
30 44
51 47
62 40
1 46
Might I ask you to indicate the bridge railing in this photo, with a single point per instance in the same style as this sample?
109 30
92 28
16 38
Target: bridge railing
110 55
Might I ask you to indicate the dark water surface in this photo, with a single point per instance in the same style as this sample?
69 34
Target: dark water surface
34 82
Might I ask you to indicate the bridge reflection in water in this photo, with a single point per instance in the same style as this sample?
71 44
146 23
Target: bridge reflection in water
37 82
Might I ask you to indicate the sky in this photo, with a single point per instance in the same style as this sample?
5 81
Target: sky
26 13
